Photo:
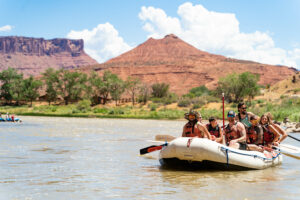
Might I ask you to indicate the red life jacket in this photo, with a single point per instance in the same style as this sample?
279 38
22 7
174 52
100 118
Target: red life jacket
232 133
268 135
191 130
251 137
213 131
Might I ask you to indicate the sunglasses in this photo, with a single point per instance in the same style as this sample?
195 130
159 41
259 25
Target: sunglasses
230 116
244 108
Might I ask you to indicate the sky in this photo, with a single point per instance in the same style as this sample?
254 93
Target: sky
265 31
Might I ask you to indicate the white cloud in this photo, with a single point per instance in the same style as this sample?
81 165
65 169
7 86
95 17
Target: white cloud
102 42
216 33
6 28
159 22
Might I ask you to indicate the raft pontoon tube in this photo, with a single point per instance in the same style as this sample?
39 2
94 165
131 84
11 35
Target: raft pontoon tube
206 154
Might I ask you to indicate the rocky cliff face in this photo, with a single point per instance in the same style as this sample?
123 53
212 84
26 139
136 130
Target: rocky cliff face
183 66
32 56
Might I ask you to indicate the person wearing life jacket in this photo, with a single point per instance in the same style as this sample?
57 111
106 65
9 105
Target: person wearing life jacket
254 136
243 116
194 127
214 130
7 116
235 133
270 134
1 119
278 128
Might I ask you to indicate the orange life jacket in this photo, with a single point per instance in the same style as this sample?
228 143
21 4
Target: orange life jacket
191 130
268 135
213 131
232 133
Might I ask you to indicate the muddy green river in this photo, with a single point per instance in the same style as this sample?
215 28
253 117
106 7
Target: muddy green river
76 158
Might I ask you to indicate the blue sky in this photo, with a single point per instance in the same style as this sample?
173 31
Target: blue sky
266 31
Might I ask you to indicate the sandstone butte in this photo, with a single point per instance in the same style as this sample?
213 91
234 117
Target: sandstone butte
182 66
32 56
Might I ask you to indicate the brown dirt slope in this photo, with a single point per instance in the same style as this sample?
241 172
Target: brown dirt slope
173 61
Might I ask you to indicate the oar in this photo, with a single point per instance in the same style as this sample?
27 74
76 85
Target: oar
294 138
223 100
152 148
164 138
291 155
289 148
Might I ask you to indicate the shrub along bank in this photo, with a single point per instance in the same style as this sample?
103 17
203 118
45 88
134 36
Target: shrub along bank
289 107
69 88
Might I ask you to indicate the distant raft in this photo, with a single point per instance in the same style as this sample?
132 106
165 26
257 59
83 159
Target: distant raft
186 152
10 120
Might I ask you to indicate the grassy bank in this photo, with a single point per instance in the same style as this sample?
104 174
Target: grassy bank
97 112
289 107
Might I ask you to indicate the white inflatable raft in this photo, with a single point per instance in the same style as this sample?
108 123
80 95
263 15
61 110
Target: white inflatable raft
206 154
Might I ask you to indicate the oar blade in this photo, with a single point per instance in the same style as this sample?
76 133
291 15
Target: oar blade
289 148
164 138
145 150
150 149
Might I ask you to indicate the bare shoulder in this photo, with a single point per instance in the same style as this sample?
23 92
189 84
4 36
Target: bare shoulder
251 114
200 124
277 126
272 127
240 125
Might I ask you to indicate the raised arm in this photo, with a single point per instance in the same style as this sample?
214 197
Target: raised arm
250 114
242 130
204 130
281 131
220 139
275 132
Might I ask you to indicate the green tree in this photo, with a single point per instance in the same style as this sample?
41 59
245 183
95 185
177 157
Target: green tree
132 87
197 92
51 79
117 88
238 86
160 90
71 85
95 84
10 80
31 89
144 94
107 79
18 88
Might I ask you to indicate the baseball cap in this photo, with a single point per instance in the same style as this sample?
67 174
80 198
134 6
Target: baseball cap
231 114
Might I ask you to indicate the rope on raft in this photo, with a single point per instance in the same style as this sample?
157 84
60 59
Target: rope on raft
226 150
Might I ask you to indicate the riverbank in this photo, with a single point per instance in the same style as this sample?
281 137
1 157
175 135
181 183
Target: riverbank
279 111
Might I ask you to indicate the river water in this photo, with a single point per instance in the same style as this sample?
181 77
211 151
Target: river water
78 158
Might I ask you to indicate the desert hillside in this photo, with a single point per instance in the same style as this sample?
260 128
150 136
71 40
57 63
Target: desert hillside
182 66
287 87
